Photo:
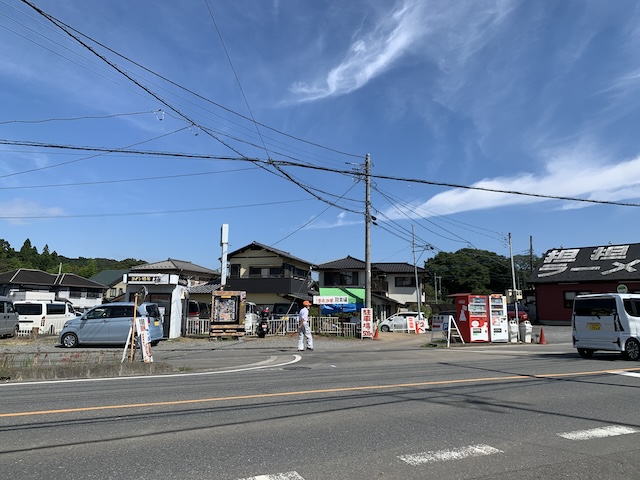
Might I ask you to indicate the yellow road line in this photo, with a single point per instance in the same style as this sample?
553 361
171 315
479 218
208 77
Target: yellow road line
310 392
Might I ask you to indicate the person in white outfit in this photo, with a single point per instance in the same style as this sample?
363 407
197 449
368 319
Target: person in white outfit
303 327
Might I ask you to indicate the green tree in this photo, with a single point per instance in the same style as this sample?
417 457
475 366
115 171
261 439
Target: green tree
470 271
89 269
28 255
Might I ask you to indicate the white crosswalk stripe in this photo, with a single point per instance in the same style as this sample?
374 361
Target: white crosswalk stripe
276 476
444 455
601 432
627 374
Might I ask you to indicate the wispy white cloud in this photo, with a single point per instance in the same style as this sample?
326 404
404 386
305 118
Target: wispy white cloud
572 177
369 55
341 220
20 208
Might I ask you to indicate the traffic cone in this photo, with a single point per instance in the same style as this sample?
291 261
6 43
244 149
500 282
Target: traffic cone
542 341
375 334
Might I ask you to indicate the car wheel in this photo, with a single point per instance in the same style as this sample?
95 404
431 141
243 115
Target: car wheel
69 340
385 328
632 349
585 352
16 331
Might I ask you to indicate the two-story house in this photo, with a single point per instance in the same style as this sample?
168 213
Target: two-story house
393 285
269 275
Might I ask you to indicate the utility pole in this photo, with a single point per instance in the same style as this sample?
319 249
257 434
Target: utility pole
367 231
513 279
415 270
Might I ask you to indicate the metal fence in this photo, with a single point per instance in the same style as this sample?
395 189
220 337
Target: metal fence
287 326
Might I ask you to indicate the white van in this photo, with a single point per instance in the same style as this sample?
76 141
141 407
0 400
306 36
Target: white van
8 318
607 321
48 316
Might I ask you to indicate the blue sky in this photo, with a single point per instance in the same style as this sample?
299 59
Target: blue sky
192 106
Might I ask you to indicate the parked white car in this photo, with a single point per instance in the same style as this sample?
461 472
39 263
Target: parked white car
398 321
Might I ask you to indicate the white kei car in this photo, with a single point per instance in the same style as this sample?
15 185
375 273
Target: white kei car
398 321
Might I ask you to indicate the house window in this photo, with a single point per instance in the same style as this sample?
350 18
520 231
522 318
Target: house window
405 282
112 292
234 270
570 296
265 272
335 279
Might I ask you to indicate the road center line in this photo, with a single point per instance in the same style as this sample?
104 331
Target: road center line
306 392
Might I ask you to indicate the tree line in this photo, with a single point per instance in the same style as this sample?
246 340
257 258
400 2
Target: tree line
480 272
468 270
48 261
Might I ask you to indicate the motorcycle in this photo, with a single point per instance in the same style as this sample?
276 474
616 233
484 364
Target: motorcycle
263 324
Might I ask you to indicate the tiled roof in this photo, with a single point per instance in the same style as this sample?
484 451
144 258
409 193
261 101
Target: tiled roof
109 277
390 267
260 246
25 276
350 263
73 280
346 263
174 265
205 288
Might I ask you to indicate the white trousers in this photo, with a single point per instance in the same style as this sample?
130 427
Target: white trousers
304 331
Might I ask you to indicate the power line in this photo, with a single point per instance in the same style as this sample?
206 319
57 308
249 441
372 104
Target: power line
284 163
68 29
128 180
103 152
137 214
85 117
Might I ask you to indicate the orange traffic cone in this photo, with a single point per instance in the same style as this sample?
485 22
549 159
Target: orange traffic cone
542 341
375 334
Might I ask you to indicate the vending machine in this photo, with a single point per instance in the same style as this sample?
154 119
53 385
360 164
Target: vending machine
472 316
499 327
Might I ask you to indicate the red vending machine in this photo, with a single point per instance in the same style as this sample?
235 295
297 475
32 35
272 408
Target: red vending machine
472 317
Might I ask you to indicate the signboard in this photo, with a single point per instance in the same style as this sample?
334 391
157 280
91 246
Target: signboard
151 279
366 323
330 300
421 326
144 337
411 324
440 323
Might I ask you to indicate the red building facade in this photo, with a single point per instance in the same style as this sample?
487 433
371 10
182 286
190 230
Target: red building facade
565 273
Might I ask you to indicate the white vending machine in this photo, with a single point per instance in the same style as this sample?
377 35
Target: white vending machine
499 324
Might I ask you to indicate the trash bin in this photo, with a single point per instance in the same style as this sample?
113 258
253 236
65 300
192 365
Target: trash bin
513 331
525 331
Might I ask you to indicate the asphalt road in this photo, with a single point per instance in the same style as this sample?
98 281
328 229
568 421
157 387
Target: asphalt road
350 410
